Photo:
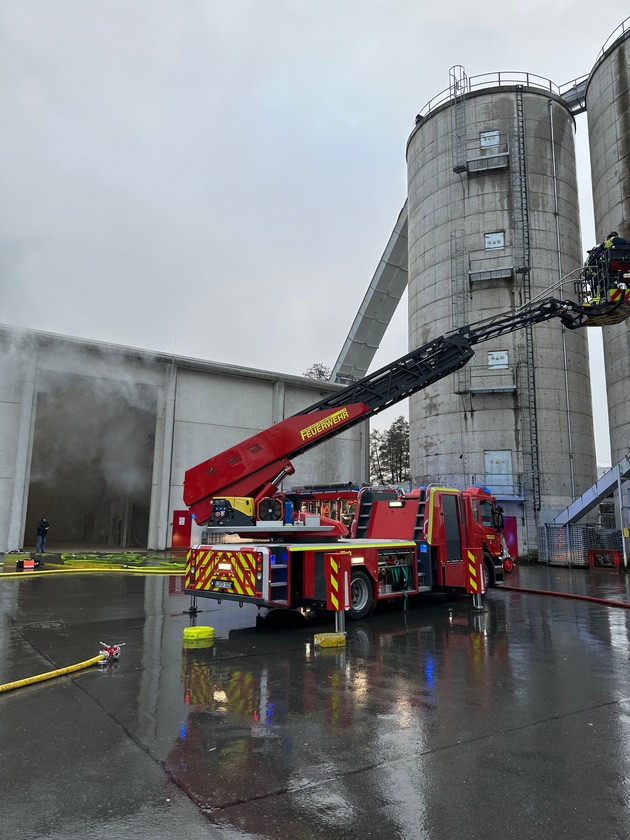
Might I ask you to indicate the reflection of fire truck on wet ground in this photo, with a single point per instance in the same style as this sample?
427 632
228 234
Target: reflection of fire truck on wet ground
399 545
259 723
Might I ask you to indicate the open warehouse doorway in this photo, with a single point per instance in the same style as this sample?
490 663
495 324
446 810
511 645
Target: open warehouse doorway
91 464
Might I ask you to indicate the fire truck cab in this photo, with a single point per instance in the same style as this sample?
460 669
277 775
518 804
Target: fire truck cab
445 523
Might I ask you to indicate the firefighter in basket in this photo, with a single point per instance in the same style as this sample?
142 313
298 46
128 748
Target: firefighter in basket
597 266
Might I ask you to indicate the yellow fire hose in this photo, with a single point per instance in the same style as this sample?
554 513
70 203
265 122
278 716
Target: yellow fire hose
132 571
48 675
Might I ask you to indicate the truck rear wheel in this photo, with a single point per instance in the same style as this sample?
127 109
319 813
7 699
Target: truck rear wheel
361 594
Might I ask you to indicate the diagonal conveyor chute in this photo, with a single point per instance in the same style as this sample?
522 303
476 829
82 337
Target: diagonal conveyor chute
602 489
377 308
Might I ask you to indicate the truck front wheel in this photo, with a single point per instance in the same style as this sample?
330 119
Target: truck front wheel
488 571
361 594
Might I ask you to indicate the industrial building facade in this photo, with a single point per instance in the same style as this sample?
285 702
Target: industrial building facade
98 437
491 223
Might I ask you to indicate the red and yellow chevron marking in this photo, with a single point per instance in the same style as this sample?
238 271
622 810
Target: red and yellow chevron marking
473 582
617 294
198 688
333 592
242 573
242 692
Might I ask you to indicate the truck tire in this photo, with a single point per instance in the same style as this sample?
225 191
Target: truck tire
361 595
488 571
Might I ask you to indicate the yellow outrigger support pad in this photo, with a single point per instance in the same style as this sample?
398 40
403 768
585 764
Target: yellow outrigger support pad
326 640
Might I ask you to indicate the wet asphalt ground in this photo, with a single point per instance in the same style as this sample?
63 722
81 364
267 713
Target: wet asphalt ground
435 722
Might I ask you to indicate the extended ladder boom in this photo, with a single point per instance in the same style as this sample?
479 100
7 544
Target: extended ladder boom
255 467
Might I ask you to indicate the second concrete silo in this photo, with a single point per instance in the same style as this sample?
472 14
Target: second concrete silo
493 223
608 110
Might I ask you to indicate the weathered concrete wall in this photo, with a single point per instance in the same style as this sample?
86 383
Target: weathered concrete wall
92 412
608 110
215 411
455 423
17 389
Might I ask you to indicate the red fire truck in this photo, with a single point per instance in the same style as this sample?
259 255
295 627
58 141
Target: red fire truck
297 560
354 507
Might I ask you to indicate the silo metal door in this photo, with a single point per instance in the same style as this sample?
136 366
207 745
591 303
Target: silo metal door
499 475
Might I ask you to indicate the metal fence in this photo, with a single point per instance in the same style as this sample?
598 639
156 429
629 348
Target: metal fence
569 545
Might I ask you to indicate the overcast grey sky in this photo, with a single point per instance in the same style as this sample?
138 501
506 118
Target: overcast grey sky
219 178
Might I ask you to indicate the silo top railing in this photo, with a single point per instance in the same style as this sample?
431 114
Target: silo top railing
490 80
615 36
572 91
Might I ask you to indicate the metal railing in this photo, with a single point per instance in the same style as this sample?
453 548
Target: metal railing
614 36
487 266
492 380
517 77
489 80
569 545
509 486
567 88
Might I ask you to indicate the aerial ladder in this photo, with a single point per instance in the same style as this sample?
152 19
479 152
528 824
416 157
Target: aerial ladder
235 489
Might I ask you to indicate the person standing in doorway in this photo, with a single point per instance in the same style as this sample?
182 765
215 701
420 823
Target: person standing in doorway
42 532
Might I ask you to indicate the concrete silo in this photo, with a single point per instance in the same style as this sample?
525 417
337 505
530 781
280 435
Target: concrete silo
608 111
493 223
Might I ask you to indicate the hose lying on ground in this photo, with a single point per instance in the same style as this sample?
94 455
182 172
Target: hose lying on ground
48 675
140 570
607 602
